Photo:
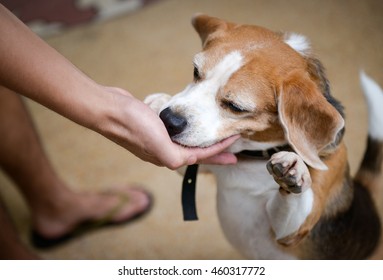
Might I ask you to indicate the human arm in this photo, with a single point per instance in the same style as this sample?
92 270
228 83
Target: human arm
32 68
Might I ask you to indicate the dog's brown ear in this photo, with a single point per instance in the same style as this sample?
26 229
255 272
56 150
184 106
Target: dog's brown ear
207 25
310 122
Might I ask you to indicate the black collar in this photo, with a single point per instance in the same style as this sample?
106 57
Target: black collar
263 154
190 179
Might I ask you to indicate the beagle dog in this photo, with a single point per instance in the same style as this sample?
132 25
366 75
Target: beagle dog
290 196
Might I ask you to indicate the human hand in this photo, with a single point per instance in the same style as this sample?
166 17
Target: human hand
136 127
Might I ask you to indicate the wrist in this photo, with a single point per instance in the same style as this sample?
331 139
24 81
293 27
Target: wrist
109 113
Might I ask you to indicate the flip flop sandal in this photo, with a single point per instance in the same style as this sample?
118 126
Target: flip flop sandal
42 242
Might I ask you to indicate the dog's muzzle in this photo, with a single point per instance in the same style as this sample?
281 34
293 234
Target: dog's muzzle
173 122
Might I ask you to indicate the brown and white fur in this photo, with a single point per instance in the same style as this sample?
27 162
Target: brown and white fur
268 87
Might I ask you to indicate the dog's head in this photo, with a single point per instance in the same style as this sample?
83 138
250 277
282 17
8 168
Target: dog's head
257 83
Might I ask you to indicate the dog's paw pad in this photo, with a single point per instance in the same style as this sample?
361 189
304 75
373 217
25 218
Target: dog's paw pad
289 171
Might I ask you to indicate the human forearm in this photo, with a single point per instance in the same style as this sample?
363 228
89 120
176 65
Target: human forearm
31 67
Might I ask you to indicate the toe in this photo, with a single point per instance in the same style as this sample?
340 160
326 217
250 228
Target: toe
136 201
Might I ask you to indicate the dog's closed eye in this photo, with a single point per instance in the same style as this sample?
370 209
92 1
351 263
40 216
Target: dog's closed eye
196 74
235 108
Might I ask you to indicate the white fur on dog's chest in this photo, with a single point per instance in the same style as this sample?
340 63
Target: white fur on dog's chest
246 198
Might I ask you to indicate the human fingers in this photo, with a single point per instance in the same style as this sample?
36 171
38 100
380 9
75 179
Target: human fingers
223 158
213 154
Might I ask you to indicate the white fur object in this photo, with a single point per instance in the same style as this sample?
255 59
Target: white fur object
298 42
250 204
374 97
243 192
156 101
287 213
198 102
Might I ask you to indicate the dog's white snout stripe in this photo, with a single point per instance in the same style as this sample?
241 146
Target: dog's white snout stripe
197 102
221 73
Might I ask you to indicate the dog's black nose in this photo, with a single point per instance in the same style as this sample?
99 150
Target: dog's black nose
174 123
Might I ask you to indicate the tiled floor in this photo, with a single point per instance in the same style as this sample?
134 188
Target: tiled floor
151 51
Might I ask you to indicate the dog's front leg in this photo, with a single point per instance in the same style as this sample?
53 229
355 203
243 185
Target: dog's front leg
289 208
290 172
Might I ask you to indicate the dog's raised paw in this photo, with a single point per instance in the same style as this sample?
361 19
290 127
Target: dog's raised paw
289 171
